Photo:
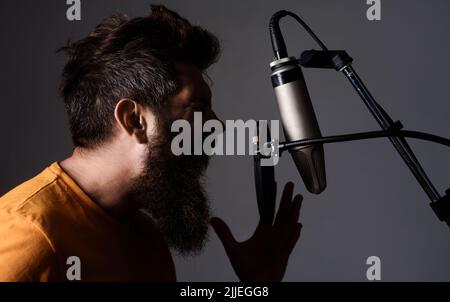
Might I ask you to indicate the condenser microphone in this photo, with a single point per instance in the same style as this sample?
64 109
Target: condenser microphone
296 111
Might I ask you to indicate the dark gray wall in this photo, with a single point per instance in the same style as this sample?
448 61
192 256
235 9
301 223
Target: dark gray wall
372 205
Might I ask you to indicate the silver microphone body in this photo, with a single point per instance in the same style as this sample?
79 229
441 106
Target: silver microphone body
299 121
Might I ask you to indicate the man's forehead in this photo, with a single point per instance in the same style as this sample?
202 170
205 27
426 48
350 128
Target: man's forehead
188 73
192 83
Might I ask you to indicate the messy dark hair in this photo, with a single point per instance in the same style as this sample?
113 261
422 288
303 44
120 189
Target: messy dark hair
128 58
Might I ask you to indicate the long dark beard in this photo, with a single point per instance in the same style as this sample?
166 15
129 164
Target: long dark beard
170 188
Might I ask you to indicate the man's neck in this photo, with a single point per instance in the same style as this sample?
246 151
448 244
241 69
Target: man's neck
104 177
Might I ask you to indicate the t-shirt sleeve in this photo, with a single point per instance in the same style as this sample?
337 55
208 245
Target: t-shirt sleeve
25 252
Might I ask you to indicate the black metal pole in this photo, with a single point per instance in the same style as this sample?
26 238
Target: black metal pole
386 123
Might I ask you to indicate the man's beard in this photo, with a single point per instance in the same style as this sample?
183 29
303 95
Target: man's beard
170 189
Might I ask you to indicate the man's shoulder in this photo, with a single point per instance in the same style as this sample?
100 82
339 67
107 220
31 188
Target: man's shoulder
32 197
26 252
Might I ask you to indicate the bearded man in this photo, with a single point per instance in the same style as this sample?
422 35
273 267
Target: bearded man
123 200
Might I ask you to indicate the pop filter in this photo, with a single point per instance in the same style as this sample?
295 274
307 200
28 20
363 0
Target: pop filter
265 184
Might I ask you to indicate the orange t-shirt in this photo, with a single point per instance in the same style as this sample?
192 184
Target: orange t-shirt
49 218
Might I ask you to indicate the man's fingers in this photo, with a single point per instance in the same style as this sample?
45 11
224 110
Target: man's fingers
223 232
288 229
294 236
285 204
296 208
286 197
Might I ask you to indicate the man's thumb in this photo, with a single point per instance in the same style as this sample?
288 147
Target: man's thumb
224 233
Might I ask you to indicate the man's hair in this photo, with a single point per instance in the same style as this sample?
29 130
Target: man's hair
128 58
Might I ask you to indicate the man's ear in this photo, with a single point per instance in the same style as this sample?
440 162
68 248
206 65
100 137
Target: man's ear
129 116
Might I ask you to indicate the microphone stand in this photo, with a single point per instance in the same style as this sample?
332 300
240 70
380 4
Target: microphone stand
341 61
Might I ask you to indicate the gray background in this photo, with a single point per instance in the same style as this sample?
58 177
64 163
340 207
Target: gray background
372 205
